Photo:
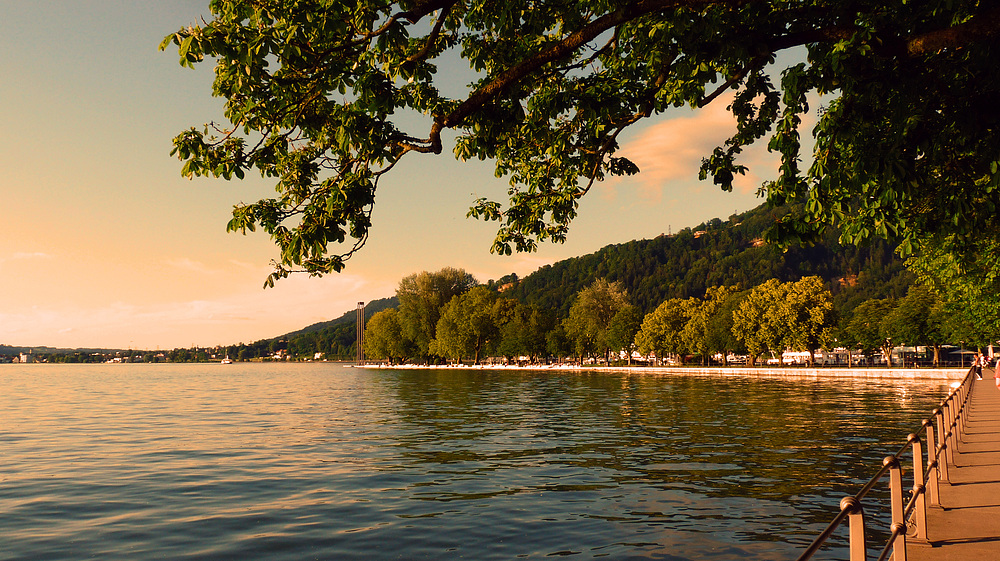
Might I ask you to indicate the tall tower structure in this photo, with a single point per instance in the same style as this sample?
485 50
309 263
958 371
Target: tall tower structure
360 323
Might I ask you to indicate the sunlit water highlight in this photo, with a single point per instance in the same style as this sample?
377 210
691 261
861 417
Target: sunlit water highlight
318 461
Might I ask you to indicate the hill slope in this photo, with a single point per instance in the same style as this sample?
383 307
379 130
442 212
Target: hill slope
349 317
685 264
718 253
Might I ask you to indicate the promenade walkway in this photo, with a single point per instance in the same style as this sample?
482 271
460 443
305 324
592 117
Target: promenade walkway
967 525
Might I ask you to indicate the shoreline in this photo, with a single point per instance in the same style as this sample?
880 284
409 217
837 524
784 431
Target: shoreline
800 371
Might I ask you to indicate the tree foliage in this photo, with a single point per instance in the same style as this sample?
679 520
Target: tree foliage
421 299
969 290
906 145
807 313
469 325
710 327
622 330
660 332
591 315
919 319
868 328
482 323
384 337
755 321
523 329
776 316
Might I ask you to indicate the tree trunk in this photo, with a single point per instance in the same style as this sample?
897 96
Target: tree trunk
887 354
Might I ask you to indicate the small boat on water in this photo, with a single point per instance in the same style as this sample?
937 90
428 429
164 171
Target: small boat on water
226 360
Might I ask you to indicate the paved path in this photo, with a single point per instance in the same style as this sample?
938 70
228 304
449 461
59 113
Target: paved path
967 527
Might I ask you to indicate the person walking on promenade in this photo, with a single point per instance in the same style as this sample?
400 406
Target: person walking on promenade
979 366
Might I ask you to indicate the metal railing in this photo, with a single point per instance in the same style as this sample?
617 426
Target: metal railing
942 433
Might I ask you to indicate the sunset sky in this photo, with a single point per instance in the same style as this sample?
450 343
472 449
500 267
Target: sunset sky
104 244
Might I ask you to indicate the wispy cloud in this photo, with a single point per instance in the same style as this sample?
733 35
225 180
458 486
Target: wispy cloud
189 265
670 152
21 255
23 260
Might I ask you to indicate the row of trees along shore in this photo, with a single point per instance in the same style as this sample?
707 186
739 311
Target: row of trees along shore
447 315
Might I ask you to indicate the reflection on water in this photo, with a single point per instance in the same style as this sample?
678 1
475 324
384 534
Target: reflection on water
324 462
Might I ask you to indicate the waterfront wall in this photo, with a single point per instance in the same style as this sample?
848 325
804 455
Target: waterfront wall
795 371
803 371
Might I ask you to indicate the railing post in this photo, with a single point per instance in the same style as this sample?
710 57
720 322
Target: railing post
932 464
942 461
958 410
856 521
961 408
920 507
949 435
896 499
966 397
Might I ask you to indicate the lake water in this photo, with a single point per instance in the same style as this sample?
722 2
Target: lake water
319 461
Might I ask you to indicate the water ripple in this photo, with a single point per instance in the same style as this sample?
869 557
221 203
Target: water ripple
318 461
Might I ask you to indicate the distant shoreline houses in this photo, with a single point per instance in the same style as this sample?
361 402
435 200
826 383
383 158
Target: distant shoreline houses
900 356
20 358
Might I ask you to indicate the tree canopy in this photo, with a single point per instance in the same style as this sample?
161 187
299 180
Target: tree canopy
906 143
422 296
384 337
591 316
468 325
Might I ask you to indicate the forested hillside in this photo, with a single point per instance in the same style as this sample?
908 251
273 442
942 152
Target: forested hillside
349 317
686 264
334 338
716 253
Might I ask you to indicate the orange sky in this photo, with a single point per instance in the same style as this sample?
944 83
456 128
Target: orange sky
103 244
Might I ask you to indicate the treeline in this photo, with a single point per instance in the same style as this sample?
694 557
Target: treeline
775 317
447 315
198 354
684 265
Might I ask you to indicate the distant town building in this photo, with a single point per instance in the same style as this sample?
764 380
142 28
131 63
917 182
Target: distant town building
26 358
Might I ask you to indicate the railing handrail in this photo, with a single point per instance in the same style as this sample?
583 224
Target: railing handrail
949 411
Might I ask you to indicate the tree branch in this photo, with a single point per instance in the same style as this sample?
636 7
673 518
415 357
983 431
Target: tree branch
565 48
425 7
981 26
432 38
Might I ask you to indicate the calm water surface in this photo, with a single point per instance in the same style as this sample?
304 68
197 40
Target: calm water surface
318 461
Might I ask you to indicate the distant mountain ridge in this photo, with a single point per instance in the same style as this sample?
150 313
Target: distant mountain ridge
12 350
